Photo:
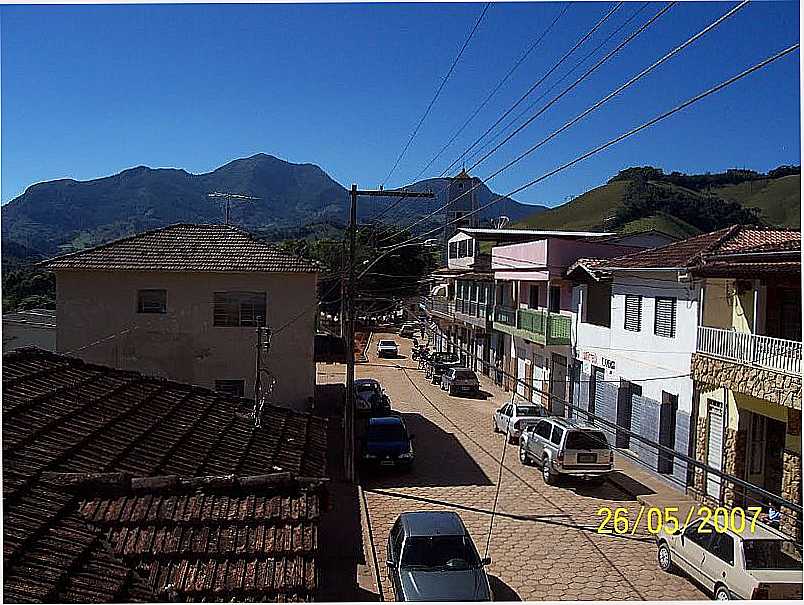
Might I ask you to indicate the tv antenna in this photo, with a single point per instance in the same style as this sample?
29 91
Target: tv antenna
228 198
500 222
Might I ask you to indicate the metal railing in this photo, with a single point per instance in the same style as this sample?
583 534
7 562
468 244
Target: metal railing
751 349
505 315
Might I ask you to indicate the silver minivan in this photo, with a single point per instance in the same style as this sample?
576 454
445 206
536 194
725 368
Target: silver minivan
563 448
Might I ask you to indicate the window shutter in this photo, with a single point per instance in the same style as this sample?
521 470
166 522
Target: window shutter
665 317
633 312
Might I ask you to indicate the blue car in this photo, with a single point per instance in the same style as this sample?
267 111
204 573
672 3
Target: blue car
387 443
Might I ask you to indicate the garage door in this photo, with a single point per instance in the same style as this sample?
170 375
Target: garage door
714 455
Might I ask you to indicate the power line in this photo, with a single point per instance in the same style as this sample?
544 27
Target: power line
627 134
437 93
577 45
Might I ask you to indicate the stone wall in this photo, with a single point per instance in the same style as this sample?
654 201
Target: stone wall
791 490
776 387
734 453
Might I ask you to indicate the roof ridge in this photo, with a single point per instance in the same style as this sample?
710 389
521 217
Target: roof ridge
127 483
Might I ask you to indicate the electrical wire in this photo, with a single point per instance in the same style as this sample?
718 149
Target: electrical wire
437 93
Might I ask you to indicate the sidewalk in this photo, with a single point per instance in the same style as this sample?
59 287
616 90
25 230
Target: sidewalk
634 479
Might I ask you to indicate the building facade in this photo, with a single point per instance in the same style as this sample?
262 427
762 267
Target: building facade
185 303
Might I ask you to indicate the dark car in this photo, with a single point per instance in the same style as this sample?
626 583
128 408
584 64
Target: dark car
431 557
387 442
438 362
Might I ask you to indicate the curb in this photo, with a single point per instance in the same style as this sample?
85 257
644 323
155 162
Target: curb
369 534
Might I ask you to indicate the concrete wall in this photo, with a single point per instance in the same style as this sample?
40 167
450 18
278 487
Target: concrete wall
183 344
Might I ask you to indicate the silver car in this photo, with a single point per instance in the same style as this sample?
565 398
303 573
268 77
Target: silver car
758 564
460 380
561 447
431 557
513 418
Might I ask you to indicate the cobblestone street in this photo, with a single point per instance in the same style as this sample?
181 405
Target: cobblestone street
544 543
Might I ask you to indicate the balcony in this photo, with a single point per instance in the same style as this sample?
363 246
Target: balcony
437 305
473 312
750 349
534 325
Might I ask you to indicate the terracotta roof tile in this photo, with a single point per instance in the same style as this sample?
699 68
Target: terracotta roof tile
185 247
62 415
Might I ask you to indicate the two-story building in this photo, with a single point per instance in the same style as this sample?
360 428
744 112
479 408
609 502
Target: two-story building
747 368
184 302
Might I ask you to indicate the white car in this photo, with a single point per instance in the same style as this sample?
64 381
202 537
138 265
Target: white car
512 418
762 564
387 348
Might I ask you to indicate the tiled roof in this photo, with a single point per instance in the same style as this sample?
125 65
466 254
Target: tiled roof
690 252
188 248
61 415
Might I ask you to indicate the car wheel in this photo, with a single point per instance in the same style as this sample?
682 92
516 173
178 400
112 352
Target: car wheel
523 456
722 593
664 558
547 474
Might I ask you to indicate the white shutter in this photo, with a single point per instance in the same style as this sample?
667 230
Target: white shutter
633 312
665 317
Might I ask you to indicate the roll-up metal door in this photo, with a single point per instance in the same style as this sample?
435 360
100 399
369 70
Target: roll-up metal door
714 450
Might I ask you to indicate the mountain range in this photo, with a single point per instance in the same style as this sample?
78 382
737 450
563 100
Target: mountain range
66 214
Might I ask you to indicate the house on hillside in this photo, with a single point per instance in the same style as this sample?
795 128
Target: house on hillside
696 346
120 487
184 302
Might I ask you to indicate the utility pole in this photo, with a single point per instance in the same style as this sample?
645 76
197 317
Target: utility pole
228 197
263 342
349 412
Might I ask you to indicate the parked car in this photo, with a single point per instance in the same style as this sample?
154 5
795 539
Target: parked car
370 403
562 448
460 380
763 564
438 363
370 385
513 418
387 443
407 330
387 348
431 557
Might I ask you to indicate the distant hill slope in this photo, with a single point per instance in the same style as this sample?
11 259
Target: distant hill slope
682 205
67 214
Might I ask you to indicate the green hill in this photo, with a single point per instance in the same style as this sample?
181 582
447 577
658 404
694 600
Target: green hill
678 204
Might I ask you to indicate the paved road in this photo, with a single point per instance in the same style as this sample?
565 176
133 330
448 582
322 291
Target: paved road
544 544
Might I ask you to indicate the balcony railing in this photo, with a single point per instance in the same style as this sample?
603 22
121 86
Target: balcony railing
536 325
437 304
504 315
750 349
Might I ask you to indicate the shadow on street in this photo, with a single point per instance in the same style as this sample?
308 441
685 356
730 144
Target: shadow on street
435 450
500 591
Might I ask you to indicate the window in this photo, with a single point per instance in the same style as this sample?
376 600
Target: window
453 250
235 388
543 429
470 247
462 248
722 546
633 312
665 317
558 433
234 309
598 305
586 440
697 533
151 301
533 301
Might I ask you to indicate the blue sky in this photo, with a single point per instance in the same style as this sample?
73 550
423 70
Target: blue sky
90 90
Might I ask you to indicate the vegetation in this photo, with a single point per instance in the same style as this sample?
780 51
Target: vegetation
28 288
645 197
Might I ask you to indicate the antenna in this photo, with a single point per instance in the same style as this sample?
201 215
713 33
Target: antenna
228 198
500 222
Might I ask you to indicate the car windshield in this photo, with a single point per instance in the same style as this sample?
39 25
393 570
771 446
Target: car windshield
528 410
465 375
586 440
436 551
771 554
367 386
446 357
387 343
386 432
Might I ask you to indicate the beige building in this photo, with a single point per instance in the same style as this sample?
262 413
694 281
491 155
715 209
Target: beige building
185 302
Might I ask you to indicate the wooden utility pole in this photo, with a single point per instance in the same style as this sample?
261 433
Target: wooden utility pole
349 411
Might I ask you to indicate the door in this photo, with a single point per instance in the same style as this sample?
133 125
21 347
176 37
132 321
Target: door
692 548
625 402
714 446
718 562
667 431
528 380
558 384
595 390
393 556
520 372
503 416
554 302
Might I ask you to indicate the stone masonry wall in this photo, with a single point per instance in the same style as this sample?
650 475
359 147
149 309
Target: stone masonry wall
776 387
791 490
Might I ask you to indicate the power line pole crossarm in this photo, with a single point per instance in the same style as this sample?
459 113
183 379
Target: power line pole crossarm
349 411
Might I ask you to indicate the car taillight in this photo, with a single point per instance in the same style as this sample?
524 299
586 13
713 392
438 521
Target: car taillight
760 592
611 457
